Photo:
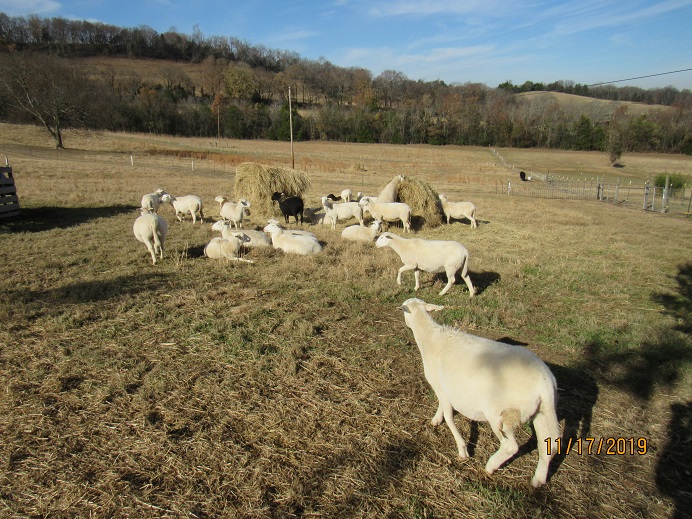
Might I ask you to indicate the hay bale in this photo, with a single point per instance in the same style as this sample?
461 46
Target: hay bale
424 201
256 183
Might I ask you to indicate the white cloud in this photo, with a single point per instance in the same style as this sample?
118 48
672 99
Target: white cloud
26 7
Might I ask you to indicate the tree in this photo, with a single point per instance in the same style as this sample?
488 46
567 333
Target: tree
49 89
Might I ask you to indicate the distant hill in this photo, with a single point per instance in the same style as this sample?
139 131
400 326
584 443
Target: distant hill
589 104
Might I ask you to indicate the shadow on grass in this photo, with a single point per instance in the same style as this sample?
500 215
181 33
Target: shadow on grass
37 219
660 362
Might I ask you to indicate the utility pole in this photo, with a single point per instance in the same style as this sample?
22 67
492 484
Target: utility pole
290 125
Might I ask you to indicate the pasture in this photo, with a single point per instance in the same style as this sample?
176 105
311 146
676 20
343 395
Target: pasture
291 387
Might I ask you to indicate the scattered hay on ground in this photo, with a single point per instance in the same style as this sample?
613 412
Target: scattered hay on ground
256 183
424 201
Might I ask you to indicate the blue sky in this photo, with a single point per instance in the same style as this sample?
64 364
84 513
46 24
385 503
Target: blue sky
483 41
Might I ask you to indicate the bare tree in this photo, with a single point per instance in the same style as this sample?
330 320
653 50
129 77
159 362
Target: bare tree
52 91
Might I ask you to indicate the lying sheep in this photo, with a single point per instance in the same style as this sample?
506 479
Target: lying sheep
185 204
232 211
315 217
291 242
458 210
256 238
390 193
152 201
227 248
433 256
274 221
151 230
488 381
388 211
344 211
360 233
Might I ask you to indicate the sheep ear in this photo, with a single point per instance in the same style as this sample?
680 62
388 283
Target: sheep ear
405 309
433 308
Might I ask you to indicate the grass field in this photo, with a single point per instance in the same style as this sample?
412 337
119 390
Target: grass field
291 387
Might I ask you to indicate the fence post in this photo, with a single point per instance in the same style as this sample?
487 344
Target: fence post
646 194
666 192
509 187
617 189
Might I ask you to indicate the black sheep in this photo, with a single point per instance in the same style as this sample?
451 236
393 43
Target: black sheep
289 205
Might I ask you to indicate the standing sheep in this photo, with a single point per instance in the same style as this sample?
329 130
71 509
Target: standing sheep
388 211
152 201
151 230
289 205
185 204
390 193
430 256
232 211
458 210
344 211
486 381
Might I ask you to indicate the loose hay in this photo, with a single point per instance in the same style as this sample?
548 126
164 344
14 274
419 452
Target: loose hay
424 201
256 183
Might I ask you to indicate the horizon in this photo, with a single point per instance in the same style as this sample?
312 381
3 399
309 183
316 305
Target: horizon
641 43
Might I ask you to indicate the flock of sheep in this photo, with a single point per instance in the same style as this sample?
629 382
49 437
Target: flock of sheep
482 379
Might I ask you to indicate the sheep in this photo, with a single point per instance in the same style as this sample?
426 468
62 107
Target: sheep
256 238
274 221
360 233
345 211
152 201
433 256
346 195
185 204
151 230
486 380
235 212
458 210
289 205
390 193
227 248
315 217
291 242
388 211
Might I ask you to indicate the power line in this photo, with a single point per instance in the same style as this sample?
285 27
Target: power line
640 77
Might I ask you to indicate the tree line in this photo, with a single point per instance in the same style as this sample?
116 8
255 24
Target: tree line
243 93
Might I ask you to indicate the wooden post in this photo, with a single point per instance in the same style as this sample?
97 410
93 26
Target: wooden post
290 125
617 189
666 194
9 201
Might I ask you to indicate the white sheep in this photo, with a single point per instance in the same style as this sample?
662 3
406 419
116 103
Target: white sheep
227 248
151 230
432 256
274 221
390 193
315 217
343 211
458 210
388 211
291 242
152 201
256 238
360 233
235 212
183 205
346 195
486 380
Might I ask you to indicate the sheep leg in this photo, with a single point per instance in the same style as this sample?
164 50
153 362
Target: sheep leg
472 290
546 427
508 445
439 416
448 412
450 281
152 251
404 269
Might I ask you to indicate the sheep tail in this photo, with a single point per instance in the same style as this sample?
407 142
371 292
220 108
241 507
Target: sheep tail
510 419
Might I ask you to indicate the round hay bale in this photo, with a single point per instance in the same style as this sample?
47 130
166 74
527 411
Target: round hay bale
257 182
424 201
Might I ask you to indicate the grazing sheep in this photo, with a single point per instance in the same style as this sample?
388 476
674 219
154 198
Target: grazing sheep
227 248
315 217
291 242
235 212
345 211
151 230
152 201
256 238
488 381
185 204
390 192
289 205
458 210
361 233
433 256
388 211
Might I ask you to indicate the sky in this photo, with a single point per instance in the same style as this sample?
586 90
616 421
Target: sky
456 41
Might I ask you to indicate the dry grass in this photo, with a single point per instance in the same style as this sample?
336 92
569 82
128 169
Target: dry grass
256 183
291 387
